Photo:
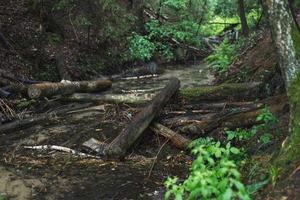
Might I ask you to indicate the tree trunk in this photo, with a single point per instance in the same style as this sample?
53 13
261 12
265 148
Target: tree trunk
242 14
61 66
119 146
286 37
50 89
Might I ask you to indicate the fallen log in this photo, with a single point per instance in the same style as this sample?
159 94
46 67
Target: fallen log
232 118
63 149
23 123
218 106
178 140
65 88
113 98
219 92
119 146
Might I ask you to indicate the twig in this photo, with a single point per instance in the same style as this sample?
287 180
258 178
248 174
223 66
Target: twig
155 158
63 149
294 172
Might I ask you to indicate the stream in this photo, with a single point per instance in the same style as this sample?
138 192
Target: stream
32 174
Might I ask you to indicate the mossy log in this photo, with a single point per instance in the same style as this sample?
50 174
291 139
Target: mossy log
65 88
223 91
119 146
178 140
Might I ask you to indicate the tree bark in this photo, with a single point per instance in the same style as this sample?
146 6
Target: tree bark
242 14
61 66
119 146
65 88
114 98
286 38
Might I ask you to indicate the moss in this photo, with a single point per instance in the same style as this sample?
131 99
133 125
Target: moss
296 40
290 151
216 92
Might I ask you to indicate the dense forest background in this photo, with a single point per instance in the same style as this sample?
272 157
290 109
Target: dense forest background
107 36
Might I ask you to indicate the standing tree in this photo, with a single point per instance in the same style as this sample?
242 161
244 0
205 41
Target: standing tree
287 42
242 14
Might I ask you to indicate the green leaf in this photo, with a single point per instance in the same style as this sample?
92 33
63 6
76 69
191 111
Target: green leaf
234 150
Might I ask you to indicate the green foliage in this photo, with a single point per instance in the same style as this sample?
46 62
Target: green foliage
176 4
240 134
251 189
274 174
267 119
25 103
141 47
2 198
213 174
83 21
54 38
222 56
62 5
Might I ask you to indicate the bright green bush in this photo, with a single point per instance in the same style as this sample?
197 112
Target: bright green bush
141 48
213 175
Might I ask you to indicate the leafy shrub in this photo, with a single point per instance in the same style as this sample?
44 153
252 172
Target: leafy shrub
222 56
268 121
213 174
141 48
240 134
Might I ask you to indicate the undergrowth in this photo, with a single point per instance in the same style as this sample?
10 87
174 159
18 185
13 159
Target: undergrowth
214 173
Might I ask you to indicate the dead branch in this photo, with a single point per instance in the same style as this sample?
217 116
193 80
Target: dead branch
63 149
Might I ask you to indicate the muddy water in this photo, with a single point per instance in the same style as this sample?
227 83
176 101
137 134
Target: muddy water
28 174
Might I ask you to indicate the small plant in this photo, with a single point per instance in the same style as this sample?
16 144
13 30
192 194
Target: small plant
240 134
223 56
213 174
274 173
268 121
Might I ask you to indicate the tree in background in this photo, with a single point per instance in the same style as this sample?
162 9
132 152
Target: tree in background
242 14
287 41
